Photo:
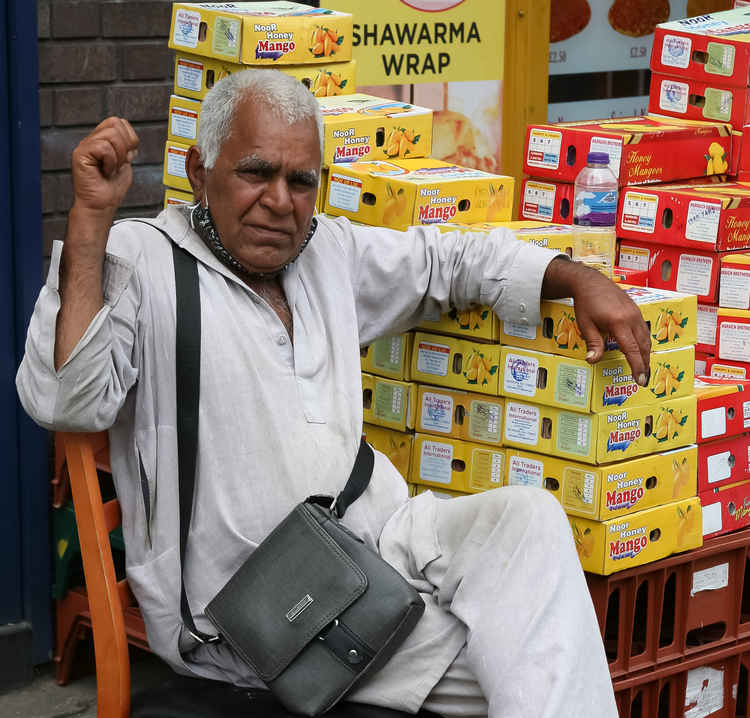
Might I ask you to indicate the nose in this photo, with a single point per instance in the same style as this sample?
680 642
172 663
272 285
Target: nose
277 197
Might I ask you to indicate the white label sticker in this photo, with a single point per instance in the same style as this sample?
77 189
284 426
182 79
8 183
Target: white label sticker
706 324
713 422
712 518
676 51
704 692
734 341
719 467
746 418
186 28
725 371
435 462
694 274
525 472
522 423
522 331
176 162
538 201
613 147
183 123
437 412
497 468
734 288
433 358
344 192
544 149
633 258
700 367
703 221
639 212
189 75
710 579
673 96
520 375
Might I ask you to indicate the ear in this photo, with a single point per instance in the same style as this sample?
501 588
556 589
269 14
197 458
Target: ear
196 173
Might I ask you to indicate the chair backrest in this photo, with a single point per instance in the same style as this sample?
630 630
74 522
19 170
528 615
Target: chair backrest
106 594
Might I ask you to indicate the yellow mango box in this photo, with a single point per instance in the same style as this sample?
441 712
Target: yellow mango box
600 438
360 127
320 198
456 465
396 445
541 234
546 378
438 493
389 356
476 323
175 174
671 317
184 120
173 197
456 363
194 76
672 375
605 492
459 414
413 192
389 403
605 547
261 33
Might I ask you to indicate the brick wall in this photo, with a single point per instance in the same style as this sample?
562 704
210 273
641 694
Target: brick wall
98 58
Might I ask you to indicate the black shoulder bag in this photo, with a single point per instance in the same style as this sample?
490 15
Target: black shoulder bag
313 610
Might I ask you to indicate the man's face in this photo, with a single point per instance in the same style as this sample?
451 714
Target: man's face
262 189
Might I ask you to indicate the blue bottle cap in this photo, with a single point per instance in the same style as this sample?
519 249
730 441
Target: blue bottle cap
597 158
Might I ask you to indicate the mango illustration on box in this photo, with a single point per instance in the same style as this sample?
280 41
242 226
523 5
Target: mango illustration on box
682 476
328 84
470 318
325 41
401 141
668 325
479 368
667 380
568 335
584 540
716 160
685 523
395 204
668 424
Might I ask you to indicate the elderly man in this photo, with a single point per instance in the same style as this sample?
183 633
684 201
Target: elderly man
287 299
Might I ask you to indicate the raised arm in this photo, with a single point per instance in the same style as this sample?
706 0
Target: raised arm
101 176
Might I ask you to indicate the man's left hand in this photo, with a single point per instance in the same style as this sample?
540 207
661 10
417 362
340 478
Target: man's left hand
602 310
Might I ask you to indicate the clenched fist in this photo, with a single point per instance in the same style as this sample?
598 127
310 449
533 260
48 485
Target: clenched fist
101 167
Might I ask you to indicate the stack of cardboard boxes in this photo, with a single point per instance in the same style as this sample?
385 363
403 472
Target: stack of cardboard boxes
213 41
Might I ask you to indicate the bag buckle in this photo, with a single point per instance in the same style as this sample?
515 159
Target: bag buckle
330 626
204 638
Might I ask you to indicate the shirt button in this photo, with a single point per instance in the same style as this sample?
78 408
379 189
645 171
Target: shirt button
281 340
522 306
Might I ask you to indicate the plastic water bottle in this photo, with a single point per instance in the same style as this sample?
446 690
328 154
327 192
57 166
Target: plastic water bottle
595 214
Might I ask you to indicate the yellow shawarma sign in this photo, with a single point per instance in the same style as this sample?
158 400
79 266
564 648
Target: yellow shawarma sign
414 41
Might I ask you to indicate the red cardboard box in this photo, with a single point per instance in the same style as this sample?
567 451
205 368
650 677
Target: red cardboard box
698 100
705 48
725 509
734 281
641 149
726 369
723 408
634 277
707 320
701 363
715 217
733 334
546 201
682 270
723 462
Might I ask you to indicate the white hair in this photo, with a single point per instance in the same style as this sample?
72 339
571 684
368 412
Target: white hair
280 94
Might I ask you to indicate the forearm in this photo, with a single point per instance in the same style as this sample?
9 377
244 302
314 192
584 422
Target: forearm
81 295
562 277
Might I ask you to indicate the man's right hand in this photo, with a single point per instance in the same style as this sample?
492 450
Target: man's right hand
101 168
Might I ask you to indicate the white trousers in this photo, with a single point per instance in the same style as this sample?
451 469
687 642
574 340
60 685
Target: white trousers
508 569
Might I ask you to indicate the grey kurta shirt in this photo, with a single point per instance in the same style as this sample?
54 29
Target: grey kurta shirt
278 421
